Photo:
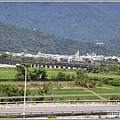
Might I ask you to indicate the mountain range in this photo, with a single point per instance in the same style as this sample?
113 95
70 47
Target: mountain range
82 21
20 39
60 27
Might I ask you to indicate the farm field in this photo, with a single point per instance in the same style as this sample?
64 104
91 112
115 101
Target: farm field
83 94
79 94
9 73
107 90
64 87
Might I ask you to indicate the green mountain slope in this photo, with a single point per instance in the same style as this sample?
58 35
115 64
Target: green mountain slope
83 21
19 39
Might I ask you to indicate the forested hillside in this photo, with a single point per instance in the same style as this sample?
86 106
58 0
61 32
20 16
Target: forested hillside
19 39
82 21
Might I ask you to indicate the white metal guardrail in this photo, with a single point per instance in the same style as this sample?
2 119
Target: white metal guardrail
108 114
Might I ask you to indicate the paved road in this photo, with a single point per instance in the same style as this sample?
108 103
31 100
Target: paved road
5 65
60 109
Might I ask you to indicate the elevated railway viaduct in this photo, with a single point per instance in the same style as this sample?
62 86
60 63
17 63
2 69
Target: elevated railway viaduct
49 64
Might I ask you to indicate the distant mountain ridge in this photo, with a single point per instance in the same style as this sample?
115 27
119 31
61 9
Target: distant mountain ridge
82 21
20 39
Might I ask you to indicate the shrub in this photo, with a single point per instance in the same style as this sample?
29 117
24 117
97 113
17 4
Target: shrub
51 115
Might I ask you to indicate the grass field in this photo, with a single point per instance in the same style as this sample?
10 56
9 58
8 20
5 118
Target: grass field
103 90
7 73
69 91
77 92
103 75
53 72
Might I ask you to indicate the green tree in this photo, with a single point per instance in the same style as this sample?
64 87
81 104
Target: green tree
5 56
46 90
38 74
51 115
21 72
82 79
10 90
115 97
62 76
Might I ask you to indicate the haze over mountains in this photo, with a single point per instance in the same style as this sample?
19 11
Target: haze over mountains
82 21
60 27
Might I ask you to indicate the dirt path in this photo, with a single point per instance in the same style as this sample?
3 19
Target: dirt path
95 94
